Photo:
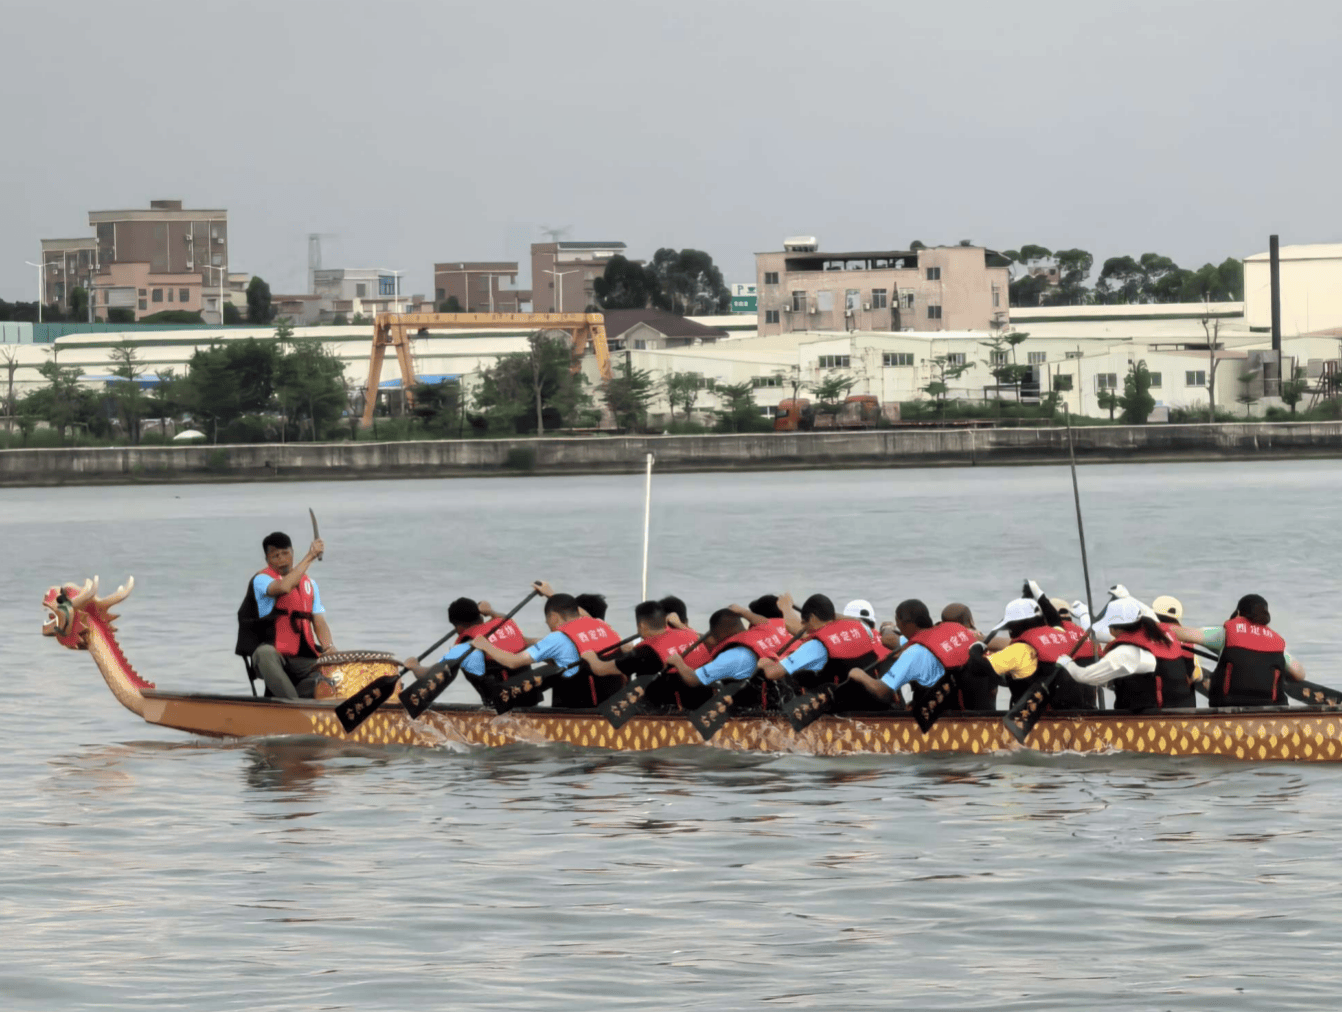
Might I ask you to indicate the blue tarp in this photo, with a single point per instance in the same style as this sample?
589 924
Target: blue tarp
432 380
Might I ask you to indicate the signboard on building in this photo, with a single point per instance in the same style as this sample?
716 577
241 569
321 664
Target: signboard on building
743 299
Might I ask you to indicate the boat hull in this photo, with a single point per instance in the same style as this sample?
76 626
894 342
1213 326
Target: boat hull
1296 733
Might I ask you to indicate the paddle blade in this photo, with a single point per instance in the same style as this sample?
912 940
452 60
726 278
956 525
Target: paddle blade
805 709
1021 718
710 717
503 696
1311 693
360 706
422 692
929 704
617 709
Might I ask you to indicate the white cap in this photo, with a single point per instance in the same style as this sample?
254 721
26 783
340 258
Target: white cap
1019 608
1122 611
860 609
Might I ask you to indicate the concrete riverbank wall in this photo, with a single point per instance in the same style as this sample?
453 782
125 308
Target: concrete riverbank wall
765 451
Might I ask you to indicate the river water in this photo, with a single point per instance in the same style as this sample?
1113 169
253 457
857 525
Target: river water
145 869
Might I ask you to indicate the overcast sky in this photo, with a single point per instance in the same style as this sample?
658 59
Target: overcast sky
425 130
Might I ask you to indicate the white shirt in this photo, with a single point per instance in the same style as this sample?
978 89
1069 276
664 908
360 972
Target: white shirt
1121 661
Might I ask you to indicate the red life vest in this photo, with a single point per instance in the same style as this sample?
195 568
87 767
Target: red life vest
1048 643
1167 686
505 636
589 634
293 617
790 644
763 640
673 641
1187 648
949 643
844 639
1084 649
1249 669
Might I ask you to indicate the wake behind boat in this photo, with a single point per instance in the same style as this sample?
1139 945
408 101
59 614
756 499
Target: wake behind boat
79 619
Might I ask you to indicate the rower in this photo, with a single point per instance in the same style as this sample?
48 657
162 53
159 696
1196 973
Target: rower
735 652
282 628
467 618
594 605
932 650
1143 663
678 617
651 656
1038 639
834 646
1253 658
570 633
1170 613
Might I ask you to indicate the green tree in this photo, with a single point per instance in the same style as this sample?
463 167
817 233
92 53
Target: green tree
258 301
1293 389
308 381
1231 276
1120 281
63 402
689 282
738 411
1031 253
515 384
173 316
628 285
231 315
830 394
940 386
132 405
1073 269
1109 400
1136 401
120 314
438 406
451 304
682 391
79 303
1155 269
1027 290
628 395
211 389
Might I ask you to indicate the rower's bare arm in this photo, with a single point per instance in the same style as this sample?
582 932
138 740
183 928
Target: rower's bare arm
324 643
771 669
419 671
747 614
598 666
686 672
875 686
1187 634
791 617
505 657
487 610
1295 669
287 582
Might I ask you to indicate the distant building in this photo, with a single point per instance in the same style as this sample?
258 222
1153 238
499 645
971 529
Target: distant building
655 329
67 264
365 291
159 258
575 266
476 286
927 289
1311 289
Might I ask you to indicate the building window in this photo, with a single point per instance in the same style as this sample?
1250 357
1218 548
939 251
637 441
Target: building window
771 316
183 295
997 298
143 293
640 344
361 291
799 302
1106 381
835 361
1155 380
906 298
143 305
386 286
955 358
1038 357
878 298
768 410
217 260
158 295
442 295
771 277
766 381
169 294
1195 378
997 358
934 312
934 274
60 289
896 358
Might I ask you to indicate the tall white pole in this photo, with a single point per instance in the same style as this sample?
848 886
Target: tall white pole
41 279
647 522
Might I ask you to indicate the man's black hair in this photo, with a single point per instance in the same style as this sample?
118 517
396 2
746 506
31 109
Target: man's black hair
766 606
673 605
593 604
464 611
650 612
914 611
818 605
276 540
563 605
719 619
1254 608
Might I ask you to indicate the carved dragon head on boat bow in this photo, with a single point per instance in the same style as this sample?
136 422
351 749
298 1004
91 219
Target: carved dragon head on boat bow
78 619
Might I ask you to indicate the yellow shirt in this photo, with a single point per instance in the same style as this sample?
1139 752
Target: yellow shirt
1019 660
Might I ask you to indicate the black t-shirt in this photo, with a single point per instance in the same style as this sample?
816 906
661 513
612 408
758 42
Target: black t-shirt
642 660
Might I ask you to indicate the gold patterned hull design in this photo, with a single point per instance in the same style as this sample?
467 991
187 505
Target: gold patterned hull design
1295 734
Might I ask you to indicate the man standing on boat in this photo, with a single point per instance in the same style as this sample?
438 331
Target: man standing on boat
281 623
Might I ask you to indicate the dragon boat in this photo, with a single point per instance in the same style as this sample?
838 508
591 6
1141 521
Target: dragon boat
79 619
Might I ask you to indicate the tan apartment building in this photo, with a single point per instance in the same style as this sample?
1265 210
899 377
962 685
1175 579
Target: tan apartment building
927 289
67 264
146 255
563 274
476 285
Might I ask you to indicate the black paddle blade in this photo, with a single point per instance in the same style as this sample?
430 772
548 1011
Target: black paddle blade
929 704
423 691
1311 693
803 710
503 696
710 717
1021 718
617 709
360 706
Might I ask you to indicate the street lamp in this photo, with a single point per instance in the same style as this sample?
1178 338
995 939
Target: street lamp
41 286
490 277
559 285
222 272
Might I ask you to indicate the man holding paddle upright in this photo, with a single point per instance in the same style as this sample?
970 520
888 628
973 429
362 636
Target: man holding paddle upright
281 622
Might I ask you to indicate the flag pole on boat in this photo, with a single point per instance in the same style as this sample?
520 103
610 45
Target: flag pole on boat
647 521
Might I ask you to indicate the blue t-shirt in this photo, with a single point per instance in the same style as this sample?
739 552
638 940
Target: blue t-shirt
733 663
558 648
265 604
474 664
916 664
810 656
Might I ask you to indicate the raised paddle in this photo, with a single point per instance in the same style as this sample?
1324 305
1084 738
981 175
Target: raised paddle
505 694
423 691
709 718
624 704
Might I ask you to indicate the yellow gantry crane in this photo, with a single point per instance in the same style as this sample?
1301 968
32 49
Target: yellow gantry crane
394 330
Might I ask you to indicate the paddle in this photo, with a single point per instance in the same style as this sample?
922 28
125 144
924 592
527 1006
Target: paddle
505 695
423 691
709 718
1021 718
805 709
360 706
624 704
